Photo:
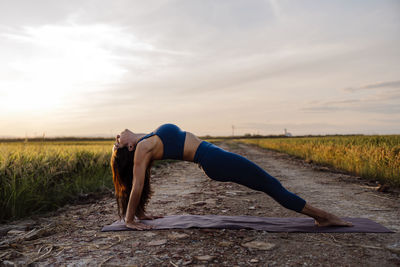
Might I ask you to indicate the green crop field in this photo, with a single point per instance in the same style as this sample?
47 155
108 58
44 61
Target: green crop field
372 157
41 176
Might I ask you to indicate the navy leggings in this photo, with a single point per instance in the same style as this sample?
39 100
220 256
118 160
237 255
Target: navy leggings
224 166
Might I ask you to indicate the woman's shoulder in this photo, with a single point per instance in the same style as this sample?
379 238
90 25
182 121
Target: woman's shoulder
149 147
146 144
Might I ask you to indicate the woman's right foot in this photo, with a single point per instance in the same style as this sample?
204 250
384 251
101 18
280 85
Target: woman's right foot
323 218
331 220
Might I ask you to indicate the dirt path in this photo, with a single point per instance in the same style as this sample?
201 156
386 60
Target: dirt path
71 236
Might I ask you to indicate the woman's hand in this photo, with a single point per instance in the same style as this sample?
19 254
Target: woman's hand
149 217
138 226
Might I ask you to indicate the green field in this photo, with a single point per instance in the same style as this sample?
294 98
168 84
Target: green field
41 176
372 157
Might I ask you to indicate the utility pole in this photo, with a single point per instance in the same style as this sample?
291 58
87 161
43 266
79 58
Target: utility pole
233 130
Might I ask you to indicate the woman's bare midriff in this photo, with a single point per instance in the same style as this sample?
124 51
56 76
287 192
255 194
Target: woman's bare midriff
192 142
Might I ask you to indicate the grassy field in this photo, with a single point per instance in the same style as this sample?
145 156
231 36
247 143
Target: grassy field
372 157
41 176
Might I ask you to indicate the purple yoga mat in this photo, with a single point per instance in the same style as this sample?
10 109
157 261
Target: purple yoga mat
301 225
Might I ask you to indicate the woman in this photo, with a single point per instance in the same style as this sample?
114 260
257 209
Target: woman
133 154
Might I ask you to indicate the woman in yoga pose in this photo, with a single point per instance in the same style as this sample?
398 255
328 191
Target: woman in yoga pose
133 154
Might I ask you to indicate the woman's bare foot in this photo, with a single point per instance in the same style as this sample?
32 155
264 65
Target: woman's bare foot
323 218
149 217
331 220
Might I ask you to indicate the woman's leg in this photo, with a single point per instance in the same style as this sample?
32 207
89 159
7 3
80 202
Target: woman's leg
224 166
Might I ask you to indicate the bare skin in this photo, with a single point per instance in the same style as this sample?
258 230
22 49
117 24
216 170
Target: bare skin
152 148
147 150
323 218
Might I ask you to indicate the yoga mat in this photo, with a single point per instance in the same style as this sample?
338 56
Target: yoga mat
300 225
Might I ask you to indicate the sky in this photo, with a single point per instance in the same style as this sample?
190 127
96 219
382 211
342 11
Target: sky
96 67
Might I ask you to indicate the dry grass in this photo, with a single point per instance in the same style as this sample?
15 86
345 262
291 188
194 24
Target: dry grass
372 157
41 176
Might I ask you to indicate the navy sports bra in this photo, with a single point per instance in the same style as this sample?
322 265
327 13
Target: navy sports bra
173 139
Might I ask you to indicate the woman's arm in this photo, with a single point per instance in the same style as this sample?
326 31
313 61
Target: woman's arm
143 157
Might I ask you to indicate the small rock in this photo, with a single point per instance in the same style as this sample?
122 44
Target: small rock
253 260
204 257
252 208
259 245
175 236
149 234
187 262
225 244
157 242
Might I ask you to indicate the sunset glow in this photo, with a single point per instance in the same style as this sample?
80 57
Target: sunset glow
79 68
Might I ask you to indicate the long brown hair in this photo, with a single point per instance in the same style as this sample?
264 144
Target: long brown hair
122 170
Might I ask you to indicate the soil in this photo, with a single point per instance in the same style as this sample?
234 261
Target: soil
71 236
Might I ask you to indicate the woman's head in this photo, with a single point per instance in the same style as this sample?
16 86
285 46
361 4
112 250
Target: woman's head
122 169
126 138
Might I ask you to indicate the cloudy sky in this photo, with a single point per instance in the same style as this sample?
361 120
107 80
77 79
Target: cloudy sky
84 68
